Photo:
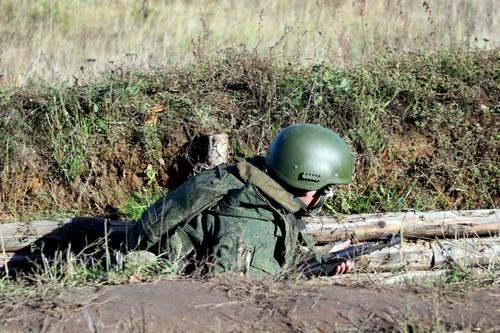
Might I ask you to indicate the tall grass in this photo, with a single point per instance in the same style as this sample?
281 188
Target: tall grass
61 38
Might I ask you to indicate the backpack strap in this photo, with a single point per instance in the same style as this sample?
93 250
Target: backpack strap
221 170
268 186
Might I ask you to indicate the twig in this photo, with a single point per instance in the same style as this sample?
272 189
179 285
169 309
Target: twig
216 305
5 259
106 248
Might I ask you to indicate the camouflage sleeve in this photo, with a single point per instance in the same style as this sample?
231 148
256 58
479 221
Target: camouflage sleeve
308 245
179 245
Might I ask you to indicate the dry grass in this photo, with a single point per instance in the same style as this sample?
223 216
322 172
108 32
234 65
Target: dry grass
59 38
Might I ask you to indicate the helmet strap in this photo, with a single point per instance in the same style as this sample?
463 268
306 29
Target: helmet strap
318 205
324 194
311 209
301 203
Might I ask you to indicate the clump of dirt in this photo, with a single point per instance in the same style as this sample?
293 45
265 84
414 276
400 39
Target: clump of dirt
24 178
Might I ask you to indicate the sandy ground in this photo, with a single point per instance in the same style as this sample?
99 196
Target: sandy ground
238 305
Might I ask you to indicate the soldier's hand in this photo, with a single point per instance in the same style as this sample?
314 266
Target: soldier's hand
345 266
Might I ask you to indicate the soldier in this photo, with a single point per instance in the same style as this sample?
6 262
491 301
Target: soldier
246 217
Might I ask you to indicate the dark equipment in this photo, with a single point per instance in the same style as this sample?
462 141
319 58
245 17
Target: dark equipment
329 262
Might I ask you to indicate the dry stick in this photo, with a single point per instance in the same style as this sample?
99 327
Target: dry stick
401 233
106 244
6 260
18 260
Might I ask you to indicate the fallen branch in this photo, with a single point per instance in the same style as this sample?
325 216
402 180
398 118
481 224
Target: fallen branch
427 225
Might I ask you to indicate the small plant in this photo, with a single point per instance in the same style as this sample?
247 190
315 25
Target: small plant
93 265
136 203
459 275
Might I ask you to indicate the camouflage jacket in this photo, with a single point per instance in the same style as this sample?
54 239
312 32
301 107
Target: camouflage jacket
234 217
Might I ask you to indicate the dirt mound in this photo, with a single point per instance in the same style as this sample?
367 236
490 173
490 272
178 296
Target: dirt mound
236 305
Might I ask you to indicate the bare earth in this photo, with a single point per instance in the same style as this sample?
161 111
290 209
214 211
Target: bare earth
238 305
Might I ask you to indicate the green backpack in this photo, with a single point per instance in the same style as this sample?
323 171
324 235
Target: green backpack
202 192
187 201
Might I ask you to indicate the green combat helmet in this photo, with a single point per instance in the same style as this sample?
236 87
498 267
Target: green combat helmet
310 157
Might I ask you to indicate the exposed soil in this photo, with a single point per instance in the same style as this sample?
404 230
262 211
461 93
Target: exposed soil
237 305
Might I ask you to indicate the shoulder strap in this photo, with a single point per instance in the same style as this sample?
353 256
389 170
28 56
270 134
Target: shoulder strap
268 186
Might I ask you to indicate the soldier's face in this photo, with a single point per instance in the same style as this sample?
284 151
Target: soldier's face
311 198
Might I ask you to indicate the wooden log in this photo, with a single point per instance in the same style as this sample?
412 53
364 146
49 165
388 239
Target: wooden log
452 224
80 232
466 252
217 149
472 252
407 256
16 261
406 278
388 278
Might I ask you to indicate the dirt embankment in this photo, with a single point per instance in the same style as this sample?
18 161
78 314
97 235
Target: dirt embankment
237 305
424 128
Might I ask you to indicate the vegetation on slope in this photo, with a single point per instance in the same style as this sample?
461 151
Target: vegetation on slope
424 127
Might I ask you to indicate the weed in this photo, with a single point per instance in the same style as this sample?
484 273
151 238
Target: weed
141 200
90 267
137 203
459 275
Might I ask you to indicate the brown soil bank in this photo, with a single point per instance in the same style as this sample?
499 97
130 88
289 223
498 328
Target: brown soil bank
250 306
424 127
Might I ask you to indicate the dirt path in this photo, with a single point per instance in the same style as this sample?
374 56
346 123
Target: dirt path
244 306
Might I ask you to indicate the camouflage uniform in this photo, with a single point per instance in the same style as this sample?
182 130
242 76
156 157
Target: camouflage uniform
234 216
